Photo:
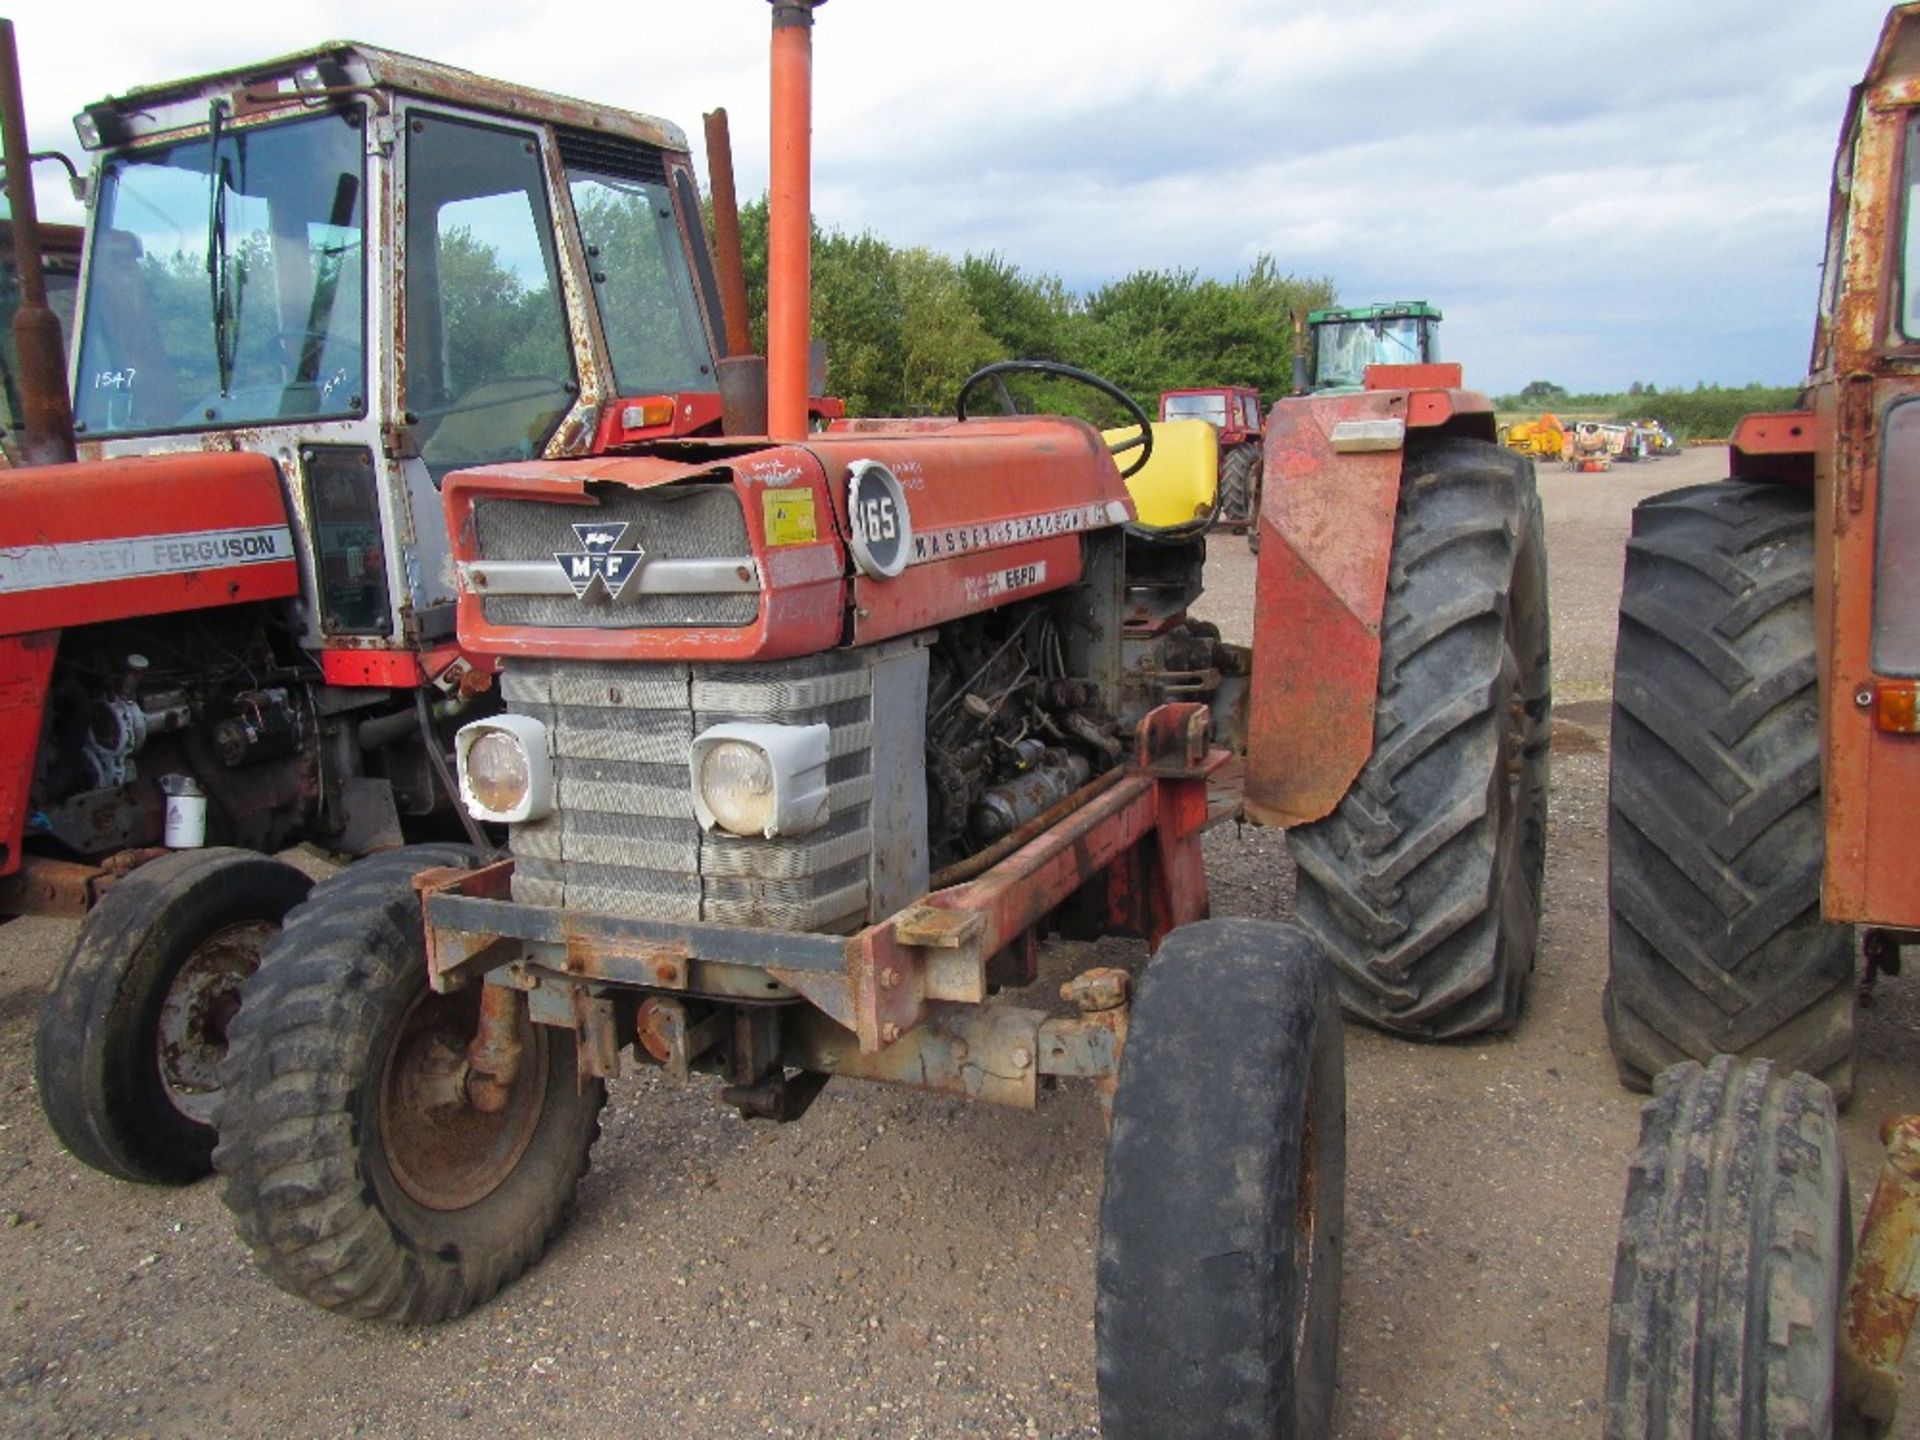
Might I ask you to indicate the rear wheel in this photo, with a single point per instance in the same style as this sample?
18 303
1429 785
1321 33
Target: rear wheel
1715 834
127 1053
358 1170
1240 485
1733 1241
1223 1216
1424 884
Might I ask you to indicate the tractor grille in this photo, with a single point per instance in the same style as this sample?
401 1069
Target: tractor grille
623 839
671 522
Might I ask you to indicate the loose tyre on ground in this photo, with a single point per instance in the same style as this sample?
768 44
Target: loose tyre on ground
127 1052
1715 837
1222 1222
1733 1243
1424 884
358 1171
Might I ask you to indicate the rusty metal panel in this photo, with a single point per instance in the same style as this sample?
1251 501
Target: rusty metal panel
1327 535
1871 779
1883 1283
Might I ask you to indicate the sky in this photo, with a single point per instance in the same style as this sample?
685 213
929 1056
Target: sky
1594 193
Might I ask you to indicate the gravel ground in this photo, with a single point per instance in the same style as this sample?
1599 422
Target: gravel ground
902 1266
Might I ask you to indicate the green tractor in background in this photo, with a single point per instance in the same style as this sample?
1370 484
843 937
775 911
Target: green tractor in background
1341 343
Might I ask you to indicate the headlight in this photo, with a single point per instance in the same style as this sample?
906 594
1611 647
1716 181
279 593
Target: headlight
751 779
736 780
506 775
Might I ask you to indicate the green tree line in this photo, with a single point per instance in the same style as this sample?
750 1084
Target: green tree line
904 327
1706 412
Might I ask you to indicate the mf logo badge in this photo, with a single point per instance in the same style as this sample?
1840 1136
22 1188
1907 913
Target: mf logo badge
600 558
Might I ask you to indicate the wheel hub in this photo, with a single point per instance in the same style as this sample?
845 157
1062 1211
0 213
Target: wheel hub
191 1037
444 1152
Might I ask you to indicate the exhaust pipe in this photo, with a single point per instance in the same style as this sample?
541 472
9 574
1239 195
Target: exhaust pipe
45 405
726 233
790 220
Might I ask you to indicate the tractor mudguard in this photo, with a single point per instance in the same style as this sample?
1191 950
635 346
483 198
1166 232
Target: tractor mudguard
1326 516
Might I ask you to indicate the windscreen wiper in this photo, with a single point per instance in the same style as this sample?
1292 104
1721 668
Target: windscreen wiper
217 176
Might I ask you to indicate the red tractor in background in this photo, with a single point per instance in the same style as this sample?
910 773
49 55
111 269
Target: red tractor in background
311 288
1234 413
1765 773
810 738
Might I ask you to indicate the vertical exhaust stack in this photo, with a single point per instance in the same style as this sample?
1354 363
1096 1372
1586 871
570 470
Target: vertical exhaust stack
46 407
790 220
726 233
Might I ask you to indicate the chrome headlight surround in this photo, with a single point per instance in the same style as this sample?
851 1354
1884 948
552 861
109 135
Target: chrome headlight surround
795 761
528 736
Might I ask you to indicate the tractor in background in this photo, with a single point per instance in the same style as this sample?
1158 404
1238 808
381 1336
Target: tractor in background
1342 342
1765 762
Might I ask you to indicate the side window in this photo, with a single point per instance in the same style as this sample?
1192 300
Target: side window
489 370
642 284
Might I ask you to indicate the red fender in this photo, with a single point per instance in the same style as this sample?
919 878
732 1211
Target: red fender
1326 529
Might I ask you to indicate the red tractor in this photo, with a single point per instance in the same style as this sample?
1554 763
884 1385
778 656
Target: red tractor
1234 413
227 616
1765 771
812 737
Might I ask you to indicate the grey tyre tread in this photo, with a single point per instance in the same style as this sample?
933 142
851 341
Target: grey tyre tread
1733 1243
1715 831
299 1085
96 1065
1235 1040
1239 484
1424 884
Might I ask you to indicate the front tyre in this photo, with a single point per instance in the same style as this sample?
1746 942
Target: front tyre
1424 883
357 1169
1222 1220
1733 1241
126 1057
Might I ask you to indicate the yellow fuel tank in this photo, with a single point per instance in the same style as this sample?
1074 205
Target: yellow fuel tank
1178 482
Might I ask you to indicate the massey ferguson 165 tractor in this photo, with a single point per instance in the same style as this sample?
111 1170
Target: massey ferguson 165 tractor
1765 778
312 288
812 736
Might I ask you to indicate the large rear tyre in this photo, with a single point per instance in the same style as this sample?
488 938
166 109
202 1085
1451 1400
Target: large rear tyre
1733 1243
358 1170
1715 836
126 1057
1424 884
1222 1222
1240 485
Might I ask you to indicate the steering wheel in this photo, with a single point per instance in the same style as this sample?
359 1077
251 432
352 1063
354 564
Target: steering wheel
1000 369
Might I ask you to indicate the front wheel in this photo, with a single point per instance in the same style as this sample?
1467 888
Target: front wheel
1222 1221
1733 1241
127 1053
357 1167
1424 884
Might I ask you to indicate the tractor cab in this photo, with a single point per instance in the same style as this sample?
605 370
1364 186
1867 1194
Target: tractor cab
1342 343
376 270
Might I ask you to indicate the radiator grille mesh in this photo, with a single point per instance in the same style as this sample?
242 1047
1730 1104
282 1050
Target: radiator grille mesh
671 522
623 839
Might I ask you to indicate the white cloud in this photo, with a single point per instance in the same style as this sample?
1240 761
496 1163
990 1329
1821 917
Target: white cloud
1593 192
